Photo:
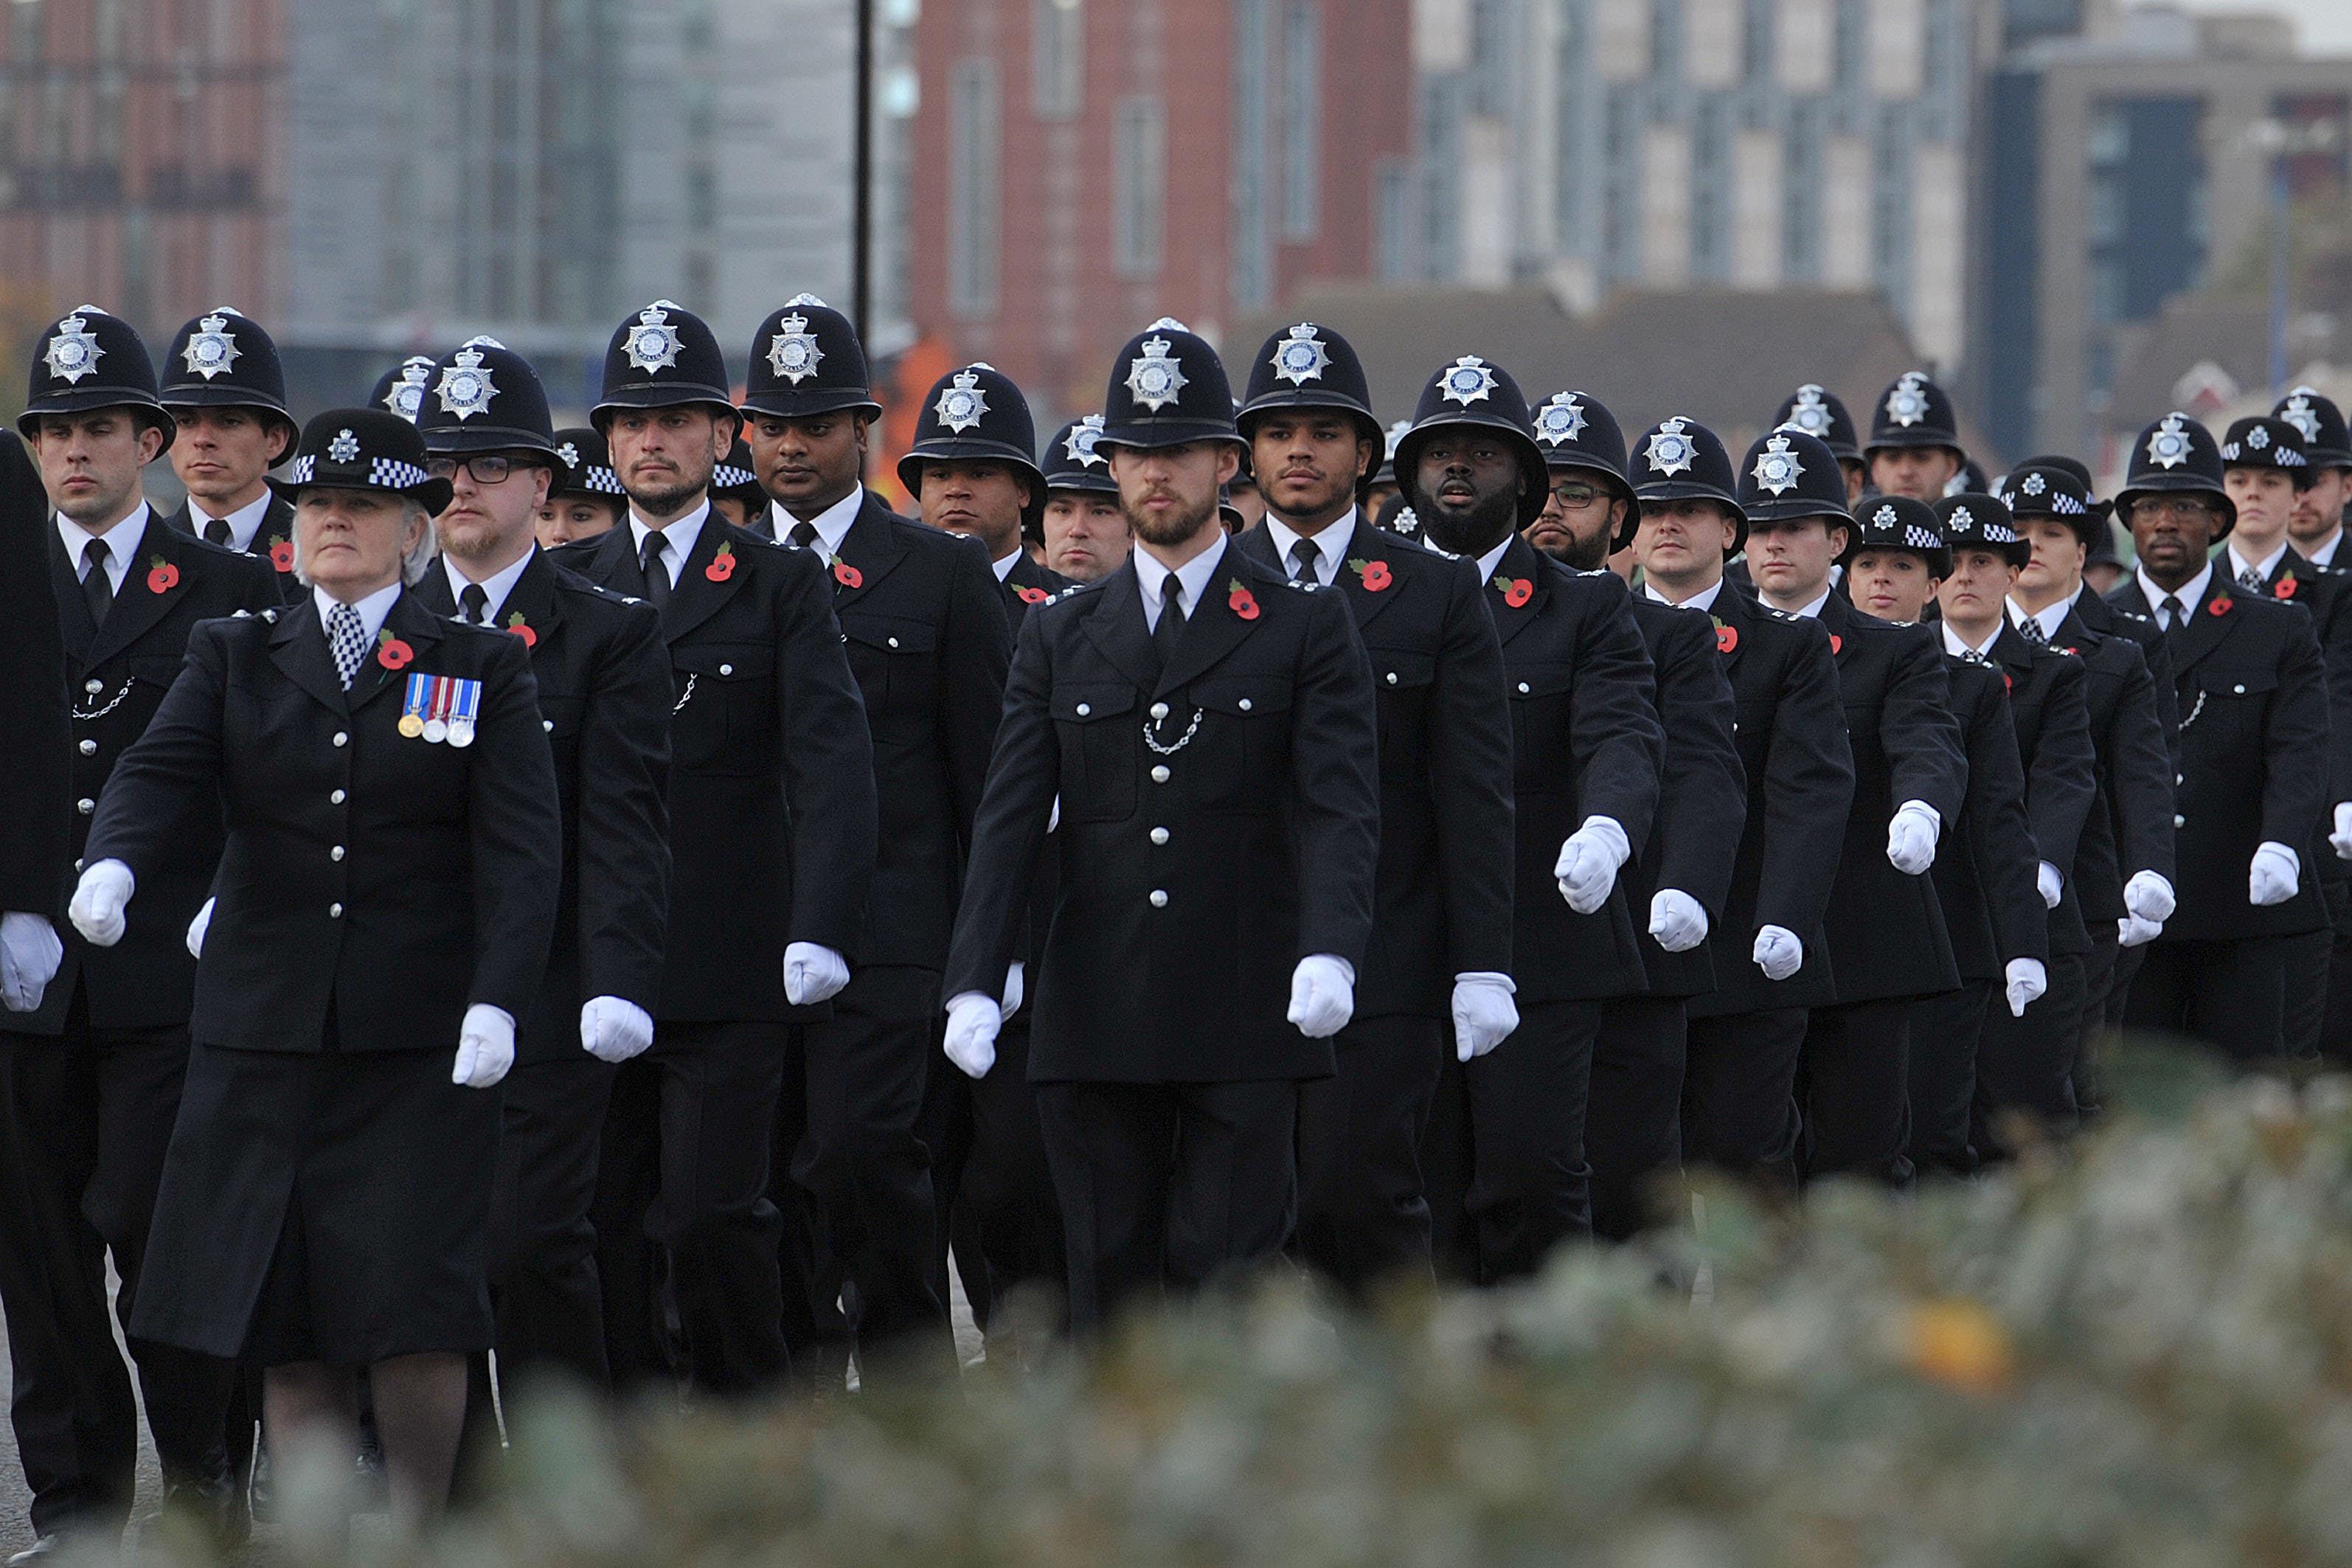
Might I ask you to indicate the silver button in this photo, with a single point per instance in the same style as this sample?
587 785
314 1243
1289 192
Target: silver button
336 798
334 911
93 686
90 748
344 739
1158 710
1085 708
548 725
1523 687
1159 897
894 642
1392 677
1159 836
85 805
1160 774
336 853
2239 690
77 867
2178 821
1246 704
2179 779
726 669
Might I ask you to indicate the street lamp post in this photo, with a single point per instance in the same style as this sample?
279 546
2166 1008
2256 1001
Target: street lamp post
861 241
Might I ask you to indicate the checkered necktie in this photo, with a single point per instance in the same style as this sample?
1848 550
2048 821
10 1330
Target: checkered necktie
2250 580
347 640
2031 629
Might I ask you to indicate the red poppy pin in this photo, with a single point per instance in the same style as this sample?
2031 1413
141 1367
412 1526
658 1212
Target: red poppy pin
1375 575
1727 638
281 554
2219 606
1033 596
1837 644
1238 600
848 576
516 625
390 652
2008 683
162 575
722 565
2284 588
1517 591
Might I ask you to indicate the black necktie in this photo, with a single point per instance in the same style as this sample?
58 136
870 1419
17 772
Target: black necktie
477 605
1170 629
217 531
803 535
2030 628
653 563
1302 555
2172 607
97 587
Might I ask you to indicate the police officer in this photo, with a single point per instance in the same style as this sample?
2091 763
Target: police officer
585 498
1382 492
401 389
1682 877
926 639
2252 688
2319 525
772 853
1509 1176
93 1075
970 473
605 695
1086 533
735 492
1208 728
1821 414
1914 442
36 794
223 389
1441 942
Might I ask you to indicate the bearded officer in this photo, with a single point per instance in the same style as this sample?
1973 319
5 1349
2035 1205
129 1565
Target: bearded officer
772 853
2317 529
1210 731
224 389
1508 1177
1442 900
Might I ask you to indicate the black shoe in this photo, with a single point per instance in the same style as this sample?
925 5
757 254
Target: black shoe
216 1509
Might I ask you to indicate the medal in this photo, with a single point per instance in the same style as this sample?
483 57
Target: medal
466 699
412 706
436 719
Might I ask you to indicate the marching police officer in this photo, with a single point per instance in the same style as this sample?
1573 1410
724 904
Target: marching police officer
401 389
1208 729
2252 690
1086 533
772 853
93 1075
1821 414
585 498
970 473
1441 941
1683 875
1915 442
1509 1176
2319 525
35 798
605 695
388 891
223 389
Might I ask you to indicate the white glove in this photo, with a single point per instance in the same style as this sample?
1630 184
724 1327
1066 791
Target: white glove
29 955
2132 931
614 1028
1015 990
198 927
1677 920
485 1046
1779 952
2273 876
973 1019
1484 1012
1911 837
1586 867
2150 898
2026 980
98 899
2051 883
813 973
1322 995
2342 837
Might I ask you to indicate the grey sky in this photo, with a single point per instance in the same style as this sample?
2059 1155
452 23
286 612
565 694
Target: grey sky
2326 26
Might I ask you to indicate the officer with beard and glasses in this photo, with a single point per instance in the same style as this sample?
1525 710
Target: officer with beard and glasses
1507 1173
1683 875
1441 900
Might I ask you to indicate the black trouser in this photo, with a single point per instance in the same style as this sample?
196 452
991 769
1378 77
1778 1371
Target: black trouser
1504 1154
2230 995
1006 1201
1941 1076
1739 1100
2129 961
2336 1032
682 1190
85 1117
1168 1186
551 1307
1852 1092
1633 1122
2304 1003
2094 1028
1362 1216
2026 1065
845 1136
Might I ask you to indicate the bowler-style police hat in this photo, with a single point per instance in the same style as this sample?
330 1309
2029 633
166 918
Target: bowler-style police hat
1168 387
1475 391
2043 489
976 414
482 397
806 361
587 466
2177 455
1577 431
1899 522
1071 463
662 357
2265 443
88 359
363 449
224 359
1976 520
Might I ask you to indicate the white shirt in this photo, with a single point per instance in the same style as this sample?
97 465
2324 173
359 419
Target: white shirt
1702 600
1813 612
2325 554
122 542
373 610
496 588
2189 593
681 535
832 524
1002 566
243 523
1494 558
2239 565
1193 575
1330 546
1955 645
2048 616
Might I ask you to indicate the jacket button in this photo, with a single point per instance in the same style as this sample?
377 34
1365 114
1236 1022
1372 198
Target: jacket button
334 911
1246 704
1160 774
1158 710
2179 779
90 748
93 686
1159 897
1085 708
1392 677
85 805
336 853
726 669
1523 689
1159 836
335 798
2179 821
894 642
344 739
548 725
2240 690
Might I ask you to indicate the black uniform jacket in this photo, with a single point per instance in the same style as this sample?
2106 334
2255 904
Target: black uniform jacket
273 542
2129 828
36 788
605 695
375 881
2251 688
1586 742
1203 852
2119 614
2327 594
771 773
1886 930
1025 585
2049 708
117 677
1984 872
1442 902
1800 776
1703 790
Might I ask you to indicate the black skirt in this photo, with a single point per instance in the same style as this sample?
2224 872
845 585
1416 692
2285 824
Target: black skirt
327 1206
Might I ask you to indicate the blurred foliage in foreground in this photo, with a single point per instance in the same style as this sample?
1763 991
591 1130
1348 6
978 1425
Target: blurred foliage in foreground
2138 1352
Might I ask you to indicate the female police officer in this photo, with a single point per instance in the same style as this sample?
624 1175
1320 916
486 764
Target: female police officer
387 891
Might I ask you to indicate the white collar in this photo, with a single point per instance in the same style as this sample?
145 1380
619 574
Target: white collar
1330 545
1702 600
2187 594
1151 576
832 524
2325 554
1002 566
1494 558
243 523
682 535
2262 568
1813 612
1956 646
2049 616
494 587
122 542
373 610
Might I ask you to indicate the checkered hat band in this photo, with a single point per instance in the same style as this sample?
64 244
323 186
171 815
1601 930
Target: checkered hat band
387 473
2280 456
1997 533
300 472
601 479
2065 505
1918 538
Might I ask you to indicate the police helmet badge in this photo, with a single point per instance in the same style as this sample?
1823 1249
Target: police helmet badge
1777 469
73 351
1669 450
1301 357
793 352
1809 413
408 393
961 403
212 347
1467 381
570 453
2167 444
1560 421
344 448
1081 444
466 387
1906 401
652 344
1155 380
2299 413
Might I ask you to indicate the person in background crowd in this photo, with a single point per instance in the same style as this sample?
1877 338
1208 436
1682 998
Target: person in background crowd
584 498
1086 533
1915 442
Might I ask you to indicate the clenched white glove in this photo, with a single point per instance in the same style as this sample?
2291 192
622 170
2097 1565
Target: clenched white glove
1911 837
2342 837
485 1046
973 1019
1677 920
2150 898
2273 876
98 900
1779 952
198 927
1322 995
2133 932
2026 980
614 1028
1014 989
1586 867
813 973
2051 883
29 955
1484 1012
